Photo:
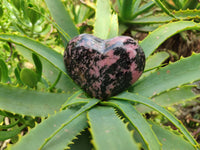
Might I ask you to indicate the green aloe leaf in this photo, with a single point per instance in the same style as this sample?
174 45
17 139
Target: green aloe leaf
3 72
169 139
108 131
37 136
158 36
39 49
144 8
163 18
127 8
171 97
164 8
137 120
154 61
102 19
173 75
72 99
82 110
114 27
53 59
77 101
190 4
143 100
62 19
28 102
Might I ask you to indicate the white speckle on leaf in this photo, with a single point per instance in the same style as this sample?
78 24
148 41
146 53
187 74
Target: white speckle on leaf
66 130
107 131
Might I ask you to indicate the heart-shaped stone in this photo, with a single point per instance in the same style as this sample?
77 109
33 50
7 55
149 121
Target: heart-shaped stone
104 68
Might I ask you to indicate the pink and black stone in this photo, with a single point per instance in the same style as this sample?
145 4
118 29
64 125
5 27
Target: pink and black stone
104 68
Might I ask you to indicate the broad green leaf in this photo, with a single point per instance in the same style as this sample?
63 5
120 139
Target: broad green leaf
169 98
42 51
143 100
140 124
4 135
108 131
173 75
29 102
36 136
29 77
82 110
114 27
102 19
158 36
170 140
3 72
62 18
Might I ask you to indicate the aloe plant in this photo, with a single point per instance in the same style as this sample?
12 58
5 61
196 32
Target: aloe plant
71 119
144 18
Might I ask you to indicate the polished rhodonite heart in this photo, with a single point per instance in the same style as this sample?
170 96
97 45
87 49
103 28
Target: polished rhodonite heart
104 68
